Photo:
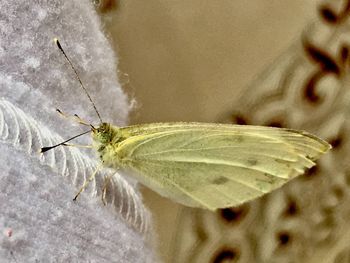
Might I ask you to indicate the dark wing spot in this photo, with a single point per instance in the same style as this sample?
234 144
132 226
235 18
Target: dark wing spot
220 180
285 162
239 139
252 161
272 179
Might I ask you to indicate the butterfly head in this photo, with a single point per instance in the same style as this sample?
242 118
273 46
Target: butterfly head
103 134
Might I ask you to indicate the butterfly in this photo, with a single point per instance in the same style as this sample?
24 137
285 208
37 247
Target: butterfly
205 165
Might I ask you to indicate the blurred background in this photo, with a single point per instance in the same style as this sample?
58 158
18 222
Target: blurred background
266 62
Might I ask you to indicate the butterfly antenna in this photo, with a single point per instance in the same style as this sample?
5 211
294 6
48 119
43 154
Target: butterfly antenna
45 149
77 76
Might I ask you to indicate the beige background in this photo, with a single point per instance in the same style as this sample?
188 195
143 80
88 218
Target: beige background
188 61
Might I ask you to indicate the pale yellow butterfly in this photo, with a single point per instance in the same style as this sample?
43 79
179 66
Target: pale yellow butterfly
207 165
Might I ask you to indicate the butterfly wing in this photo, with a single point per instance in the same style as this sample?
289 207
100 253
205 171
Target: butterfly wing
216 166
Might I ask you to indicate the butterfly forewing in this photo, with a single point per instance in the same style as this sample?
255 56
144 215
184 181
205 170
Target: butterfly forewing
216 166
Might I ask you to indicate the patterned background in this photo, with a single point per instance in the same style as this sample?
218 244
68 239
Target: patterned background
306 87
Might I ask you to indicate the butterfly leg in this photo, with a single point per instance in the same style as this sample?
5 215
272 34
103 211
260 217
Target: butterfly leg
75 118
92 177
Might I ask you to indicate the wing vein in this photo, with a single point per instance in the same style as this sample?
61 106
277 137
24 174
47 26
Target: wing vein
245 150
209 163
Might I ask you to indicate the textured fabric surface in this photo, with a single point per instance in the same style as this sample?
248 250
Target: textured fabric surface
38 219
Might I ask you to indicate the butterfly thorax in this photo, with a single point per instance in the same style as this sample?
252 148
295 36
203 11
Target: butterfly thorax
106 139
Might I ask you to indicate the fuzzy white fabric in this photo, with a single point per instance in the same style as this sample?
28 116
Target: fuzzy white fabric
39 222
